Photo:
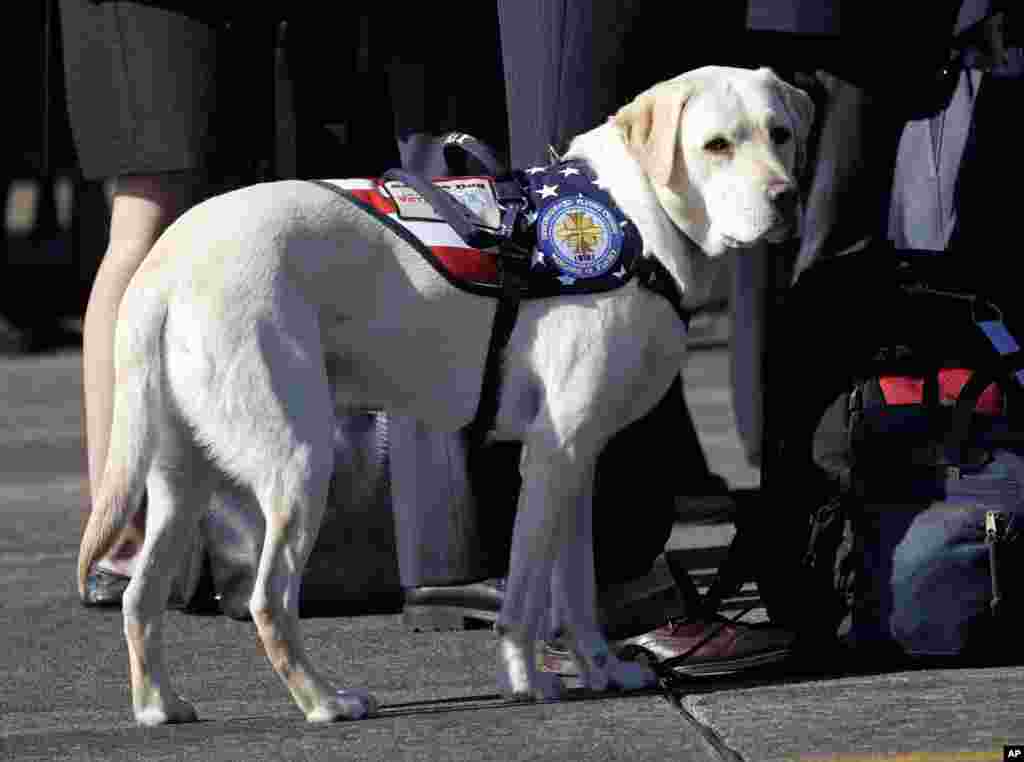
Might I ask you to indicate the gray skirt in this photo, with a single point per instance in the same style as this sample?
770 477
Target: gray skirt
152 89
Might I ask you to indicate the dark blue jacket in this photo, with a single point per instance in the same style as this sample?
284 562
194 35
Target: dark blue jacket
889 49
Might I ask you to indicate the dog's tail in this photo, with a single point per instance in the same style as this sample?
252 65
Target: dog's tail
138 387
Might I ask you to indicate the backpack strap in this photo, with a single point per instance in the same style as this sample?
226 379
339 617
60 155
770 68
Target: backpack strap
1000 371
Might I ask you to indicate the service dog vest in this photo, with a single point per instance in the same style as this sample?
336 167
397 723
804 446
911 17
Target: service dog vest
577 239
549 231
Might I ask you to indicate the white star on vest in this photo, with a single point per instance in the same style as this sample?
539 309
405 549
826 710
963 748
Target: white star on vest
535 170
620 273
569 171
548 191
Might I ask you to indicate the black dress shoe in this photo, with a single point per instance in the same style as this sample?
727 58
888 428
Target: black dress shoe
103 588
453 607
627 608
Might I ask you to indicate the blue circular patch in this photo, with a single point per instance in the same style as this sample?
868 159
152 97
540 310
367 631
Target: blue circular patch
581 237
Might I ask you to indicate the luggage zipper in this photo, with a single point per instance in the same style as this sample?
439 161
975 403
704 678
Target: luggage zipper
995 528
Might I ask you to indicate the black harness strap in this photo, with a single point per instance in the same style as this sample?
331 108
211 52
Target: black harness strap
512 265
513 283
654 277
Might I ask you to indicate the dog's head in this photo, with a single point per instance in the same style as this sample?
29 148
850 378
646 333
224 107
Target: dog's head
722 148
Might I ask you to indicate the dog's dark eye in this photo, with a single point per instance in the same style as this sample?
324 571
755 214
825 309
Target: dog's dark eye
717 145
780 135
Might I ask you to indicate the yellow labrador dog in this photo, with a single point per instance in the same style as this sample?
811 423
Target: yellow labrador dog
258 308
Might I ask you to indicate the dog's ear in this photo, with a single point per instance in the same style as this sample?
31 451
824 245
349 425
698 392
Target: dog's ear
650 125
801 114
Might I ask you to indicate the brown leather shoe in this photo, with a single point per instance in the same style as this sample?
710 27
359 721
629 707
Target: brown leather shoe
716 647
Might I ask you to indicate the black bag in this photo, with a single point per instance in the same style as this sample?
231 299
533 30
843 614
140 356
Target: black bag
914 539
919 546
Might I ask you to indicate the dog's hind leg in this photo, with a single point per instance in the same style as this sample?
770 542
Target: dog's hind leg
289 458
178 489
295 498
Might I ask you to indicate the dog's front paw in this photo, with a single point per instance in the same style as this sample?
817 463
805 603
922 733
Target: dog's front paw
344 705
601 670
630 675
165 712
518 678
540 686
547 686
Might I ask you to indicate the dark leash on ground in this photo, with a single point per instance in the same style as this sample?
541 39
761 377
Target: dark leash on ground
675 685
672 686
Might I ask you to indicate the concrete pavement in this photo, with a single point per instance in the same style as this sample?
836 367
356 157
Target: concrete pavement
63 669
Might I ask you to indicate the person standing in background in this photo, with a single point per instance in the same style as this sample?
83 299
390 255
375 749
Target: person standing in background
568 66
863 103
143 94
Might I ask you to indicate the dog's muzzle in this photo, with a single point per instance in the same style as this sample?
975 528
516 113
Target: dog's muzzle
785 199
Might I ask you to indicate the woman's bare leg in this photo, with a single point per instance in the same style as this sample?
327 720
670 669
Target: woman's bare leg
141 208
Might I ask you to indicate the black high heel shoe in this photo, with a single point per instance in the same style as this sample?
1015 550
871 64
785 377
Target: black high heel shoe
104 588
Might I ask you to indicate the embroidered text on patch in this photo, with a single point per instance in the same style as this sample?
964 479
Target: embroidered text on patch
583 239
580 237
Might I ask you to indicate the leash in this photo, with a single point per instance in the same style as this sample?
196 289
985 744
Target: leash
670 680
674 686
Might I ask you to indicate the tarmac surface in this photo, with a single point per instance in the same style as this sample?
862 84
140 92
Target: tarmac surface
63 669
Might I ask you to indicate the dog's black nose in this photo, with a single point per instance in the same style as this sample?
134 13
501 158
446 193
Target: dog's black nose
784 198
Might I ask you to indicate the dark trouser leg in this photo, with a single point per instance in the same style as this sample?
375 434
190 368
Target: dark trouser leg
643 464
747 303
563 70
562 78
846 208
443 79
564 75
848 200
449 532
341 99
